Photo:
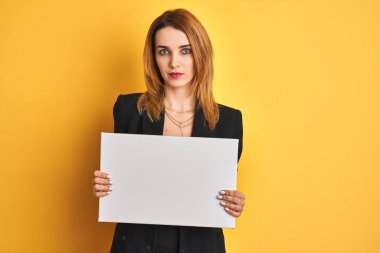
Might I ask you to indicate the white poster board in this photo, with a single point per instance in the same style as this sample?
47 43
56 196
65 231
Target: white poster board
167 180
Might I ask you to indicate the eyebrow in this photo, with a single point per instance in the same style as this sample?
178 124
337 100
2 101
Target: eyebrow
161 46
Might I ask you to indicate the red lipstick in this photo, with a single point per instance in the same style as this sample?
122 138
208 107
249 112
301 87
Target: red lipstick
175 75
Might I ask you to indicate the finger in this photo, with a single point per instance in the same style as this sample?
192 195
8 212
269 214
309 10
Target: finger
231 212
233 193
101 194
102 188
234 200
101 174
98 180
233 207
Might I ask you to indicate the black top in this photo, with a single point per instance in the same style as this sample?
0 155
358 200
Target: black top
134 238
167 239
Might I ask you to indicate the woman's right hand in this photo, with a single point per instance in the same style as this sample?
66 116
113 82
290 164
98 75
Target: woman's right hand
101 184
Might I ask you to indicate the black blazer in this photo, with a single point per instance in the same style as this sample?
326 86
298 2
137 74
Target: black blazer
134 238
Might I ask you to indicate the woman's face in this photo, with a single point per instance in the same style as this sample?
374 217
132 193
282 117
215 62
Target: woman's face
174 57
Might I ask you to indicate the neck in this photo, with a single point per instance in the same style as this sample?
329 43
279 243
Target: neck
178 99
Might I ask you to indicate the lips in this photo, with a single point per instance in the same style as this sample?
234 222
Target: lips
175 74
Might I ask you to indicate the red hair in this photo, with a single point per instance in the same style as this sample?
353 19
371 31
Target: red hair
201 87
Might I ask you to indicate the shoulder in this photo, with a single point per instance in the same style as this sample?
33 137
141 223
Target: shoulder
227 113
230 120
230 125
126 106
128 99
124 111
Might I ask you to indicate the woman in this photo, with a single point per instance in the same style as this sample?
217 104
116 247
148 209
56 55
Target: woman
179 102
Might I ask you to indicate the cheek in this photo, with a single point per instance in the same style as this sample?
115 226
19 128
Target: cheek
160 63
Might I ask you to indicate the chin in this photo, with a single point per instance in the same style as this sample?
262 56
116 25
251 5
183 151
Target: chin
177 84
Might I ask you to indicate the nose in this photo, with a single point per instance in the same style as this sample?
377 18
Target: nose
174 60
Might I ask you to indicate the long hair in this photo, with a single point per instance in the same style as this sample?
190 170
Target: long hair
152 101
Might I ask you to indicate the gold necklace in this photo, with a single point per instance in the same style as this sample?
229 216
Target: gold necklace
179 123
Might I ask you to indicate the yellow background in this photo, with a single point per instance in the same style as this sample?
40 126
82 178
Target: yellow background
304 73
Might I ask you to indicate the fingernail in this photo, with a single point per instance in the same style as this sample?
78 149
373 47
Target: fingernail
110 182
220 197
108 176
222 203
110 188
107 193
222 192
227 209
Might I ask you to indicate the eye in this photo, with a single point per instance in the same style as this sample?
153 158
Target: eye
163 52
186 51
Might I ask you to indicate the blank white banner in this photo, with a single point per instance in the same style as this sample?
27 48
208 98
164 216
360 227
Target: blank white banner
167 180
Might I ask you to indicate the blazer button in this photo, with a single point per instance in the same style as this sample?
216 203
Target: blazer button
148 247
123 237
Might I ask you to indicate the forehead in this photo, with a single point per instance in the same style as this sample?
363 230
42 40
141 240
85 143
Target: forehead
171 37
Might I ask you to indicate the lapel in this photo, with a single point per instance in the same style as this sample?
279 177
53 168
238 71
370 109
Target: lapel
156 128
152 128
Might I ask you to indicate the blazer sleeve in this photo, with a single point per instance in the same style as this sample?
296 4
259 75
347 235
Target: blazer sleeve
238 131
117 126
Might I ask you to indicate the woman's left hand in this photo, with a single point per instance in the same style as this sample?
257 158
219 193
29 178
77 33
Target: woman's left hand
232 201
